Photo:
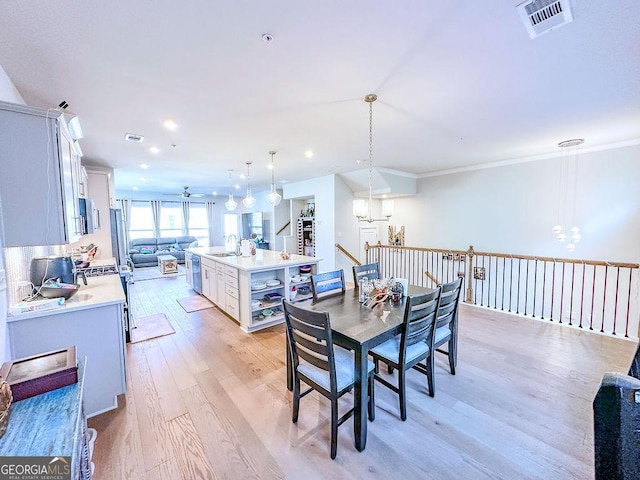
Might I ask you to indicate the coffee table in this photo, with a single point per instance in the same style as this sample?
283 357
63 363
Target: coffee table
168 264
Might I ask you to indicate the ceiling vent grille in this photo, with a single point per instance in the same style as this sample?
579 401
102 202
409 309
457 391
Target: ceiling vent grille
133 137
540 16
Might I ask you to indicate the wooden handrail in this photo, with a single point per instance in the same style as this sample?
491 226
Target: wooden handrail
284 226
431 277
599 263
349 256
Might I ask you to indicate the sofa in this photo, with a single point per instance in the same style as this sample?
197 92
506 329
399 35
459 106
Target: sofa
143 252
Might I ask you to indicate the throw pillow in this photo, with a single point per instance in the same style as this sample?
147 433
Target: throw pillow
177 247
146 250
193 244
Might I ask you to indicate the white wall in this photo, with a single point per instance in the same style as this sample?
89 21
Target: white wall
512 209
323 191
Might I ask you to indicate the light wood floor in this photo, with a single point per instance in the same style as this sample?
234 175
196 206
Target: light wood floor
211 402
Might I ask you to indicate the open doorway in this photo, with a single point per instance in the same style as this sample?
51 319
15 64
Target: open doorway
367 234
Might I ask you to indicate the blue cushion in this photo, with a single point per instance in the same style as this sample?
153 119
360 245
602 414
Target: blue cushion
442 333
390 350
344 370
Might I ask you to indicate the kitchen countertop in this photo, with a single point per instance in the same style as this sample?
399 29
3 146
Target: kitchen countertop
99 291
262 260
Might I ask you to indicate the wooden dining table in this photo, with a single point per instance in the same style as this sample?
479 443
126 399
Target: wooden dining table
357 327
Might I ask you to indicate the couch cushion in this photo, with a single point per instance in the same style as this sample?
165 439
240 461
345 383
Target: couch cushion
136 242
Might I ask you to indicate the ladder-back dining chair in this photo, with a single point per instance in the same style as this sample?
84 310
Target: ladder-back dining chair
328 284
447 324
370 270
414 344
315 361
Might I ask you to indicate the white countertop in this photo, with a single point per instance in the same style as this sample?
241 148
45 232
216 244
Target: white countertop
99 291
262 260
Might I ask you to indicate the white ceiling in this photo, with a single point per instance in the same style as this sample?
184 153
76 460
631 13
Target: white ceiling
459 83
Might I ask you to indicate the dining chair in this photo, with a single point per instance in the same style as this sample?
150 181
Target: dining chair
328 284
414 344
447 323
315 361
370 270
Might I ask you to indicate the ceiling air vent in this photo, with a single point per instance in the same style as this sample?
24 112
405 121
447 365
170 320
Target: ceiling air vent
540 16
133 137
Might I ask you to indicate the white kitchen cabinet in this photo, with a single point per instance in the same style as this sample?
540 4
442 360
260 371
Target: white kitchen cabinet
93 321
208 271
40 177
220 284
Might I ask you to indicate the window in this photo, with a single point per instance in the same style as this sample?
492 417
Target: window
141 224
198 223
171 219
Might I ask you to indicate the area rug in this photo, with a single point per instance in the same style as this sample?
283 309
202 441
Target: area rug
152 273
153 326
194 303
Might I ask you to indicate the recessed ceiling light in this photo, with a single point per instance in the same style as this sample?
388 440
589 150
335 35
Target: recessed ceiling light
144 166
243 176
142 179
308 153
170 124
154 149
237 186
214 193
135 188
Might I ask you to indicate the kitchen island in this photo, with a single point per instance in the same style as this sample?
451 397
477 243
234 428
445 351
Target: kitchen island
250 289
93 321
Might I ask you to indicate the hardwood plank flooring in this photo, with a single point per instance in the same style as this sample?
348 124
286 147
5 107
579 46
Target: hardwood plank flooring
211 402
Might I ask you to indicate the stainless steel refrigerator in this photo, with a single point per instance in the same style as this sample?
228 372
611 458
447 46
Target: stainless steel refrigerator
118 242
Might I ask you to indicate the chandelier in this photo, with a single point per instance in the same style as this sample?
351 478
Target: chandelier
273 197
362 208
567 194
249 201
230 204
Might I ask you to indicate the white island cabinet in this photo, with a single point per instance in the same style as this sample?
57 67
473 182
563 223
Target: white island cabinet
93 321
250 289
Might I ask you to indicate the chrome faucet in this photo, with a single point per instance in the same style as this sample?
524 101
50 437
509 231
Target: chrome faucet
233 241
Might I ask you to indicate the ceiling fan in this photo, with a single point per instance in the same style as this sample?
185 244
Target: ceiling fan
187 194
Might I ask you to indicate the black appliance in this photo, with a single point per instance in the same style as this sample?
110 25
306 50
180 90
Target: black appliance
616 416
44 268
196 273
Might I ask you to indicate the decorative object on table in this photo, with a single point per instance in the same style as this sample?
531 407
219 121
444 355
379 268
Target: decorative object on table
396 235
273 197
361 207
245 247
5 404
397 291
40 373
284 255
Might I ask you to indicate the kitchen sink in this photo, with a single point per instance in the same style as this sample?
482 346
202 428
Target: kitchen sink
223 254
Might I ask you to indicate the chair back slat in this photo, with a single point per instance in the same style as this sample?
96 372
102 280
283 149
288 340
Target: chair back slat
419 320
370 270
449 300
328 284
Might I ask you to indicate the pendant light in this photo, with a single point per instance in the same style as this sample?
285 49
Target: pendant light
273 197
249 201
567 193
362 208
230 204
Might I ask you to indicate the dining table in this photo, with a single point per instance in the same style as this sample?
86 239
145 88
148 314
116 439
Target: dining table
357 327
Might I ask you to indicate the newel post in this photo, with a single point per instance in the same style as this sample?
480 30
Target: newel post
366 252
470 255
